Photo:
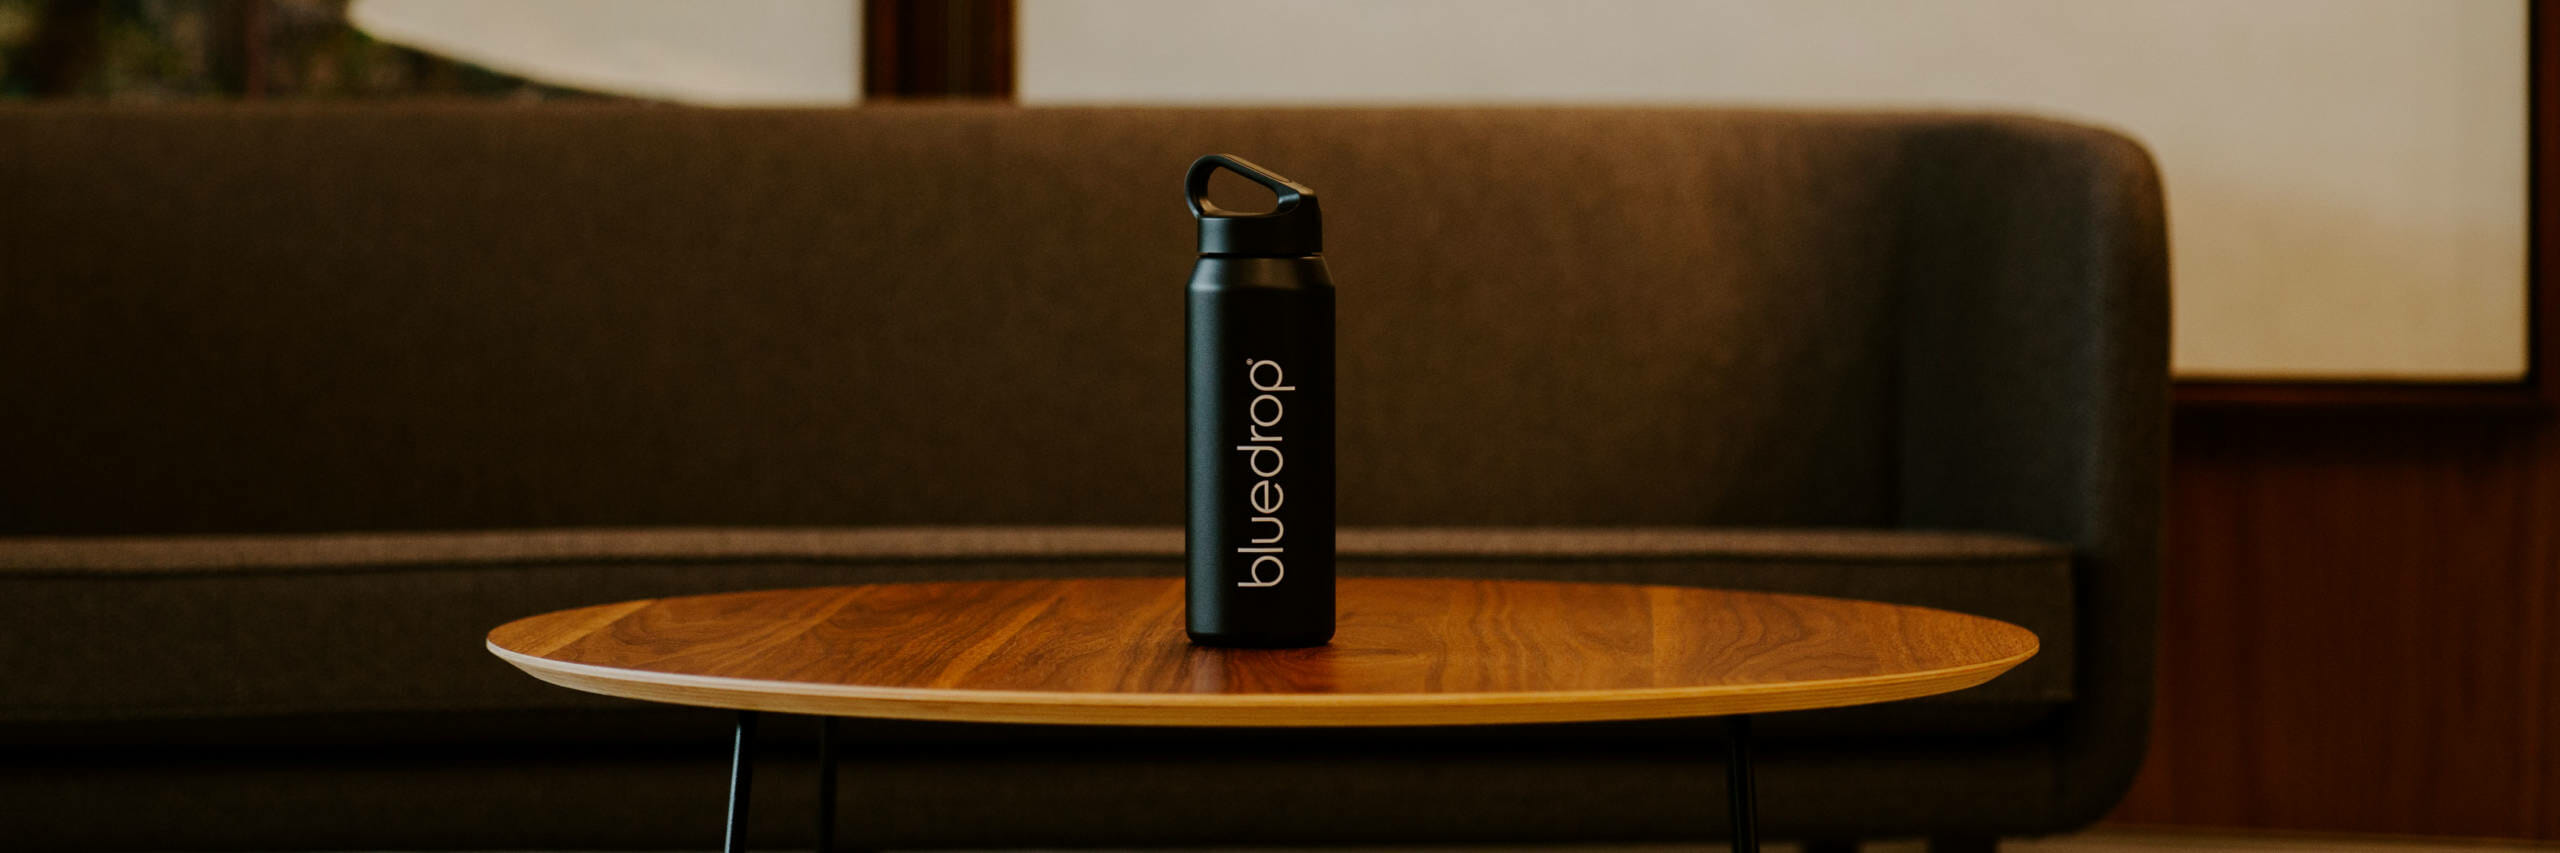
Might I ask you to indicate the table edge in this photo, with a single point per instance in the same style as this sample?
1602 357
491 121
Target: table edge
1254 709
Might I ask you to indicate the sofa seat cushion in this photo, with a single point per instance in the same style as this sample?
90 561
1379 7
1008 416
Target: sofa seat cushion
210 628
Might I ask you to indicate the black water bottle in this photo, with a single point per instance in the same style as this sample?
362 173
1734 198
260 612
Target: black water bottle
1261 397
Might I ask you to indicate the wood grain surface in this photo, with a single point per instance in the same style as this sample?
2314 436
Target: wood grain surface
2360 627
1409 652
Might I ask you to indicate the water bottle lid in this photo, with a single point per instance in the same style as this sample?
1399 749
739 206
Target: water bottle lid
1292 228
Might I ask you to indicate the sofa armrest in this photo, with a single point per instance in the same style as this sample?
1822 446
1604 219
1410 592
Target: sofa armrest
2034 392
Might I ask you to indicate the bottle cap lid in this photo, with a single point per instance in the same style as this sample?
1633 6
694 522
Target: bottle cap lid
1291 228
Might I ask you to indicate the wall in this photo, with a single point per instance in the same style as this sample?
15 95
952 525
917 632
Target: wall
2361 605
2346 177
733 53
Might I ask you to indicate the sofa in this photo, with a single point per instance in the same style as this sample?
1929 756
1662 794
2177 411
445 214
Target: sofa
302 399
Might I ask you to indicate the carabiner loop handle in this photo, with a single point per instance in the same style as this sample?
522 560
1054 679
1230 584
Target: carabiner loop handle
1196 184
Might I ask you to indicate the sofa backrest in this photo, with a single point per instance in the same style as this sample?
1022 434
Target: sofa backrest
379 318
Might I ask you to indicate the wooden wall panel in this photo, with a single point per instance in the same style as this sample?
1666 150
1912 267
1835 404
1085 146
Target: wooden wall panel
2541 659
2357 624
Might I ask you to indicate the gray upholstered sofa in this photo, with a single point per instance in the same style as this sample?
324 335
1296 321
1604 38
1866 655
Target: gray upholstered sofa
301 401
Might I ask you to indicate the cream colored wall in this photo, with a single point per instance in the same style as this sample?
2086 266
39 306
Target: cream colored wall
2346 178
731 53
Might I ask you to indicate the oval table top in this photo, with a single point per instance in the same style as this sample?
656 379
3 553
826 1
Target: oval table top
1111 651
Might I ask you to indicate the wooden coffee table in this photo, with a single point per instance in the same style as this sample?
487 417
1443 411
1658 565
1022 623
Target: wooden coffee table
1113 652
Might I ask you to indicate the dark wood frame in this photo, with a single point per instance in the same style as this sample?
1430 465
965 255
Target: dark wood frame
2539 391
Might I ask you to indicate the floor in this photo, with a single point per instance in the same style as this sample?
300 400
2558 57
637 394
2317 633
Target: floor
2099 841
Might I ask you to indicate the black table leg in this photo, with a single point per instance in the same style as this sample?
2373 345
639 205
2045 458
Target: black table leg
742 777
826 784
1743 801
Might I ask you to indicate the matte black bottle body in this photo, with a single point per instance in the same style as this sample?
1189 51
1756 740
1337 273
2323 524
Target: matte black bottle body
1261 452
1261 399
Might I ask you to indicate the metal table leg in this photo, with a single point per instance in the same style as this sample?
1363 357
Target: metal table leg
741 778
826 784
1743 797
